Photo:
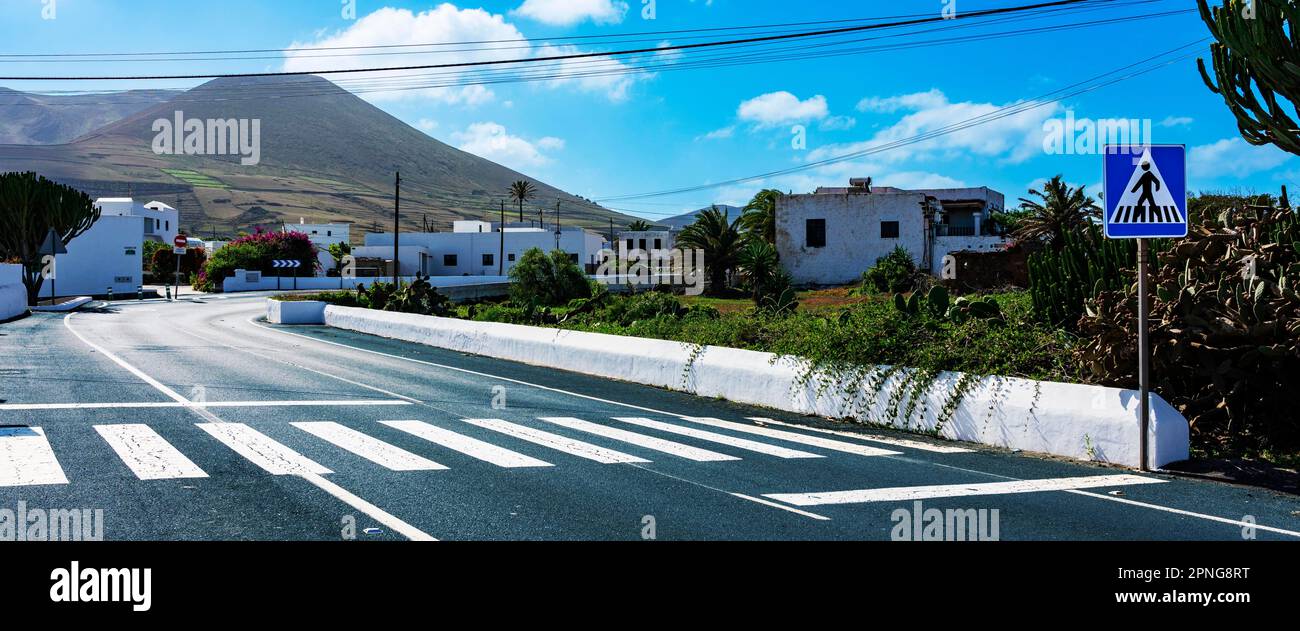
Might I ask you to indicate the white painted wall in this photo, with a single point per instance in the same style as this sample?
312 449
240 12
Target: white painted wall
469 249
1077 421
853 241
13 294
161 222
239 282
108 254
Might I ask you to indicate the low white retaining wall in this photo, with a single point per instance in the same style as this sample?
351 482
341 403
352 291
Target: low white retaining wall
1076 421
13 294
240 282
295 312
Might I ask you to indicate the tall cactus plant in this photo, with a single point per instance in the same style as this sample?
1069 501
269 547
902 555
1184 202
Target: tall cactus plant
1256 58
1061 281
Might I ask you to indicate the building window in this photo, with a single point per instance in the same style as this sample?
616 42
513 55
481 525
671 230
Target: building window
815 233
489 260
889 230
449 260
510 257
641 243
573 257
329 233
659 244
168 225
629 244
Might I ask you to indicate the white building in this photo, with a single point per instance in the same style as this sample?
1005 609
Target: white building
645 241
473 248
109 254
323 235
832 235
161 222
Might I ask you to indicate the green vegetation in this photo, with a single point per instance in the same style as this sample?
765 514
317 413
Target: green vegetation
418 297
720 239
194 178
542 280
1061 281
256 252
893 273
1058 211
520 192
31 206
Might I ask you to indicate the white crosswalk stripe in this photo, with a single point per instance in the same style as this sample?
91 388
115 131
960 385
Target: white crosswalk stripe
555 441
26 458
641 440
803 439
741 443
897 442
372 449
471 447
261 450
148 455
912 493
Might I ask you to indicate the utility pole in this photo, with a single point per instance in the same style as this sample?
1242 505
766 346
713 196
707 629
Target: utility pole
397 223
501 260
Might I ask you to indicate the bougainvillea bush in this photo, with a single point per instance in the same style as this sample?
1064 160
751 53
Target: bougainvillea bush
256 252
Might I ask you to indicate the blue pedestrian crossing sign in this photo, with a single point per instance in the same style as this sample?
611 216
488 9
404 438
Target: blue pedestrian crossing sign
1146 191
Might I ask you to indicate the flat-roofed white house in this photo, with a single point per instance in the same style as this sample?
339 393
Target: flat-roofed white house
323 235
110 254
831 236
473 248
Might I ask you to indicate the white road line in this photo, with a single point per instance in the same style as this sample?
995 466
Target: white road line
256 404
147 454
813 441
198 405
471 447
372 449
261 450
26 458
375 513
740 443
172 394
555 441
897 442
911 493
782 507
641 440
1185 513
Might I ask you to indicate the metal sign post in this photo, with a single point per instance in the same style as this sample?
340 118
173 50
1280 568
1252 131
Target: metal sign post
1146 198
180 242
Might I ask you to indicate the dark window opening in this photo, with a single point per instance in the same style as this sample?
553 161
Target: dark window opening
659 244
449 260
510 257
488 260
815 233
889 230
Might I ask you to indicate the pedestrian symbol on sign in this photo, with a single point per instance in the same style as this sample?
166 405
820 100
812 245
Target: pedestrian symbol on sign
1146 192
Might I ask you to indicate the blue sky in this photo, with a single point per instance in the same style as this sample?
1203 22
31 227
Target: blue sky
611 136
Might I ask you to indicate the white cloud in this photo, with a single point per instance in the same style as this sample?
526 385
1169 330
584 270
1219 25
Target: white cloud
915 101
426 125
570 12
838 123
719 134
388 26
778 108
1176 121
608 82
1014 138
1233 157
492 141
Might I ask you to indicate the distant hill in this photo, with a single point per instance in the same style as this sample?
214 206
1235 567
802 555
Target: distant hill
326 155
39 119
686 219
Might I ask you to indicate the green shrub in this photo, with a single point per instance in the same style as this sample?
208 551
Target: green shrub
417 297
1086 265
893 273
547 280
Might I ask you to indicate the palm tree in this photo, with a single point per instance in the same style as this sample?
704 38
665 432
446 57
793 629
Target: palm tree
719 239
638 226
759 218
1059 209
759 264
521 192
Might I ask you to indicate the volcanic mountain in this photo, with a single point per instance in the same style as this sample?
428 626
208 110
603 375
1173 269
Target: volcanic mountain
325 155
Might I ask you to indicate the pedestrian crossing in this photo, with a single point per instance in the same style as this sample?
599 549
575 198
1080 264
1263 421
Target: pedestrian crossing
27 457
1147 214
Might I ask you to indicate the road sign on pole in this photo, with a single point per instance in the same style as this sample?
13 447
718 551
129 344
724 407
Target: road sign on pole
1145 198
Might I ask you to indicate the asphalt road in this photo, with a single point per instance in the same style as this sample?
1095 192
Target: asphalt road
194 420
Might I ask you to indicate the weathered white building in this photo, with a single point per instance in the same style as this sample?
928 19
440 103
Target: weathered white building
473 248
645 241
832 235
161 222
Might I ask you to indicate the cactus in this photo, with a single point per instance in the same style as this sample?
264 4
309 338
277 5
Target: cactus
937 304
1060 281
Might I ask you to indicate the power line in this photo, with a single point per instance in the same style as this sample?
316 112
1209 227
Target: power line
1000 113
530 60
